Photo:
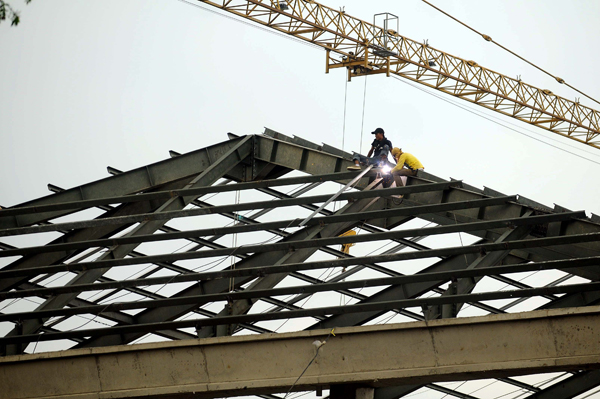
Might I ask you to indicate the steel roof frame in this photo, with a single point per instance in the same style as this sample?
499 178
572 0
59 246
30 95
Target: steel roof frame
138 203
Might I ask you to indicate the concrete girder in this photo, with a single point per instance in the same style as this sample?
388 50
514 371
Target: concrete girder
407 353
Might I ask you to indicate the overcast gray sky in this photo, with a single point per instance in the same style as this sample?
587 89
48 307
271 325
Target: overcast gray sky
86 84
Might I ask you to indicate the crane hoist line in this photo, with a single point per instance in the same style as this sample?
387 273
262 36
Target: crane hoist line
368 49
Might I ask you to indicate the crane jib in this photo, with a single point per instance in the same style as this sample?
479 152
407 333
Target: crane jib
367 49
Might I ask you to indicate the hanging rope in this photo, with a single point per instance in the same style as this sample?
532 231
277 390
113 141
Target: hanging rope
344 125
489 39
319 345
362 125
234 244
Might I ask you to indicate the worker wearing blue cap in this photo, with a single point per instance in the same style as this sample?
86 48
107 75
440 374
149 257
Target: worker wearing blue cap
380 148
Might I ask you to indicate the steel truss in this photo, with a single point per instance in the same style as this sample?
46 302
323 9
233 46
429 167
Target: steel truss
218 287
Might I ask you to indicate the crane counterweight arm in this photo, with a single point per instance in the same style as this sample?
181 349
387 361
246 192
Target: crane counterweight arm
367 49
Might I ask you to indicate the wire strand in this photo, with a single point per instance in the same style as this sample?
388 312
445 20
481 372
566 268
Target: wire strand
489 39
362 125
253 25
493 121
345 102
311 362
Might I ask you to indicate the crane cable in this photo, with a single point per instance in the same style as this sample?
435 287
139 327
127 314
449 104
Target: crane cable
345 102
362 125
489 39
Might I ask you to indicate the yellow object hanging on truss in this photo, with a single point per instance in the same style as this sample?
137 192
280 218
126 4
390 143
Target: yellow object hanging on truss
367 49
346 247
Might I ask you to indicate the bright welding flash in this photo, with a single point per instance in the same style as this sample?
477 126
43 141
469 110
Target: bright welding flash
386 169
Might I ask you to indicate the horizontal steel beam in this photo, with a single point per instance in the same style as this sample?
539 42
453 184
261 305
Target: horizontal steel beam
295 245
408 353
257 226
292 314
439 277
82 204
144 217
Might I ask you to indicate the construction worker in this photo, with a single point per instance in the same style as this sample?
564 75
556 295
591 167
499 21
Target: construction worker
406 165
380 148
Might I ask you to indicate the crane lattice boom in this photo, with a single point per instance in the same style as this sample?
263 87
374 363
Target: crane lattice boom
367 49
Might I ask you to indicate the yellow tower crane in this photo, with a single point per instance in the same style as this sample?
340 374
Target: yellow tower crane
368 49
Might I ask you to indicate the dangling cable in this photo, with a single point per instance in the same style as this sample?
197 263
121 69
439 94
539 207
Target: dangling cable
344 124
362 125
461 243
489 39
319 345
234 244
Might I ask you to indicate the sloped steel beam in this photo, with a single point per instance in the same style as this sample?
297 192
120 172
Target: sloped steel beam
134 181
184 192
575 226
167 215
367 227
312 160
570 387
129 331
256 226
526 343
253 293
268 282
211 174
466 285
315 162
294 245
263 258
73 236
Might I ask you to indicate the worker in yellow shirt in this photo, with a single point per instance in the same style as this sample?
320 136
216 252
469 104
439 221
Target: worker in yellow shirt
406 165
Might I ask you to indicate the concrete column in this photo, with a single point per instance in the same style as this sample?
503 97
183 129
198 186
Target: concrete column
351 391
365 393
